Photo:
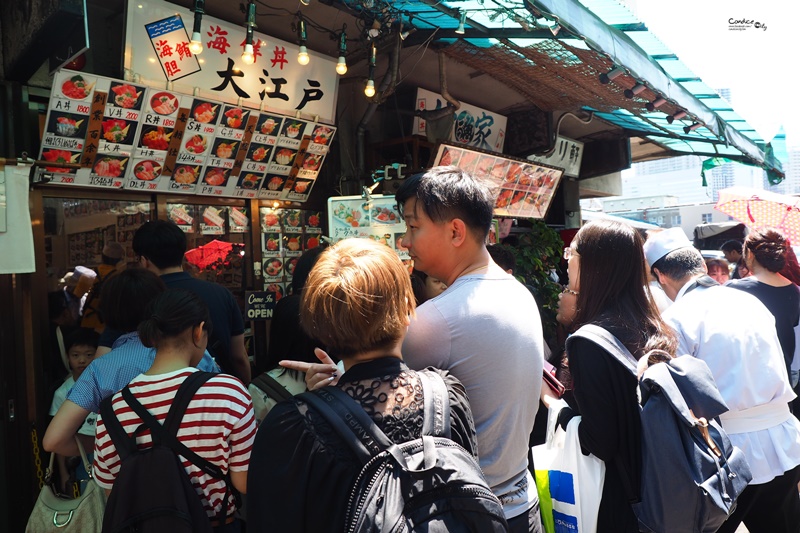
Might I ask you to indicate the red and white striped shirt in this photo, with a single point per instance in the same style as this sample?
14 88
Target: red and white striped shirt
218 425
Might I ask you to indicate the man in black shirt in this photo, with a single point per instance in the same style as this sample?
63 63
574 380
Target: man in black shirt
160 246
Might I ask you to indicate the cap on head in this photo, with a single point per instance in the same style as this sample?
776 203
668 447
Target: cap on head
664 242
114 250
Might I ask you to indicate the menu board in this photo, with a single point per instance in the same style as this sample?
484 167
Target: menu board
285 235
299 152
377 219
524 189
118 134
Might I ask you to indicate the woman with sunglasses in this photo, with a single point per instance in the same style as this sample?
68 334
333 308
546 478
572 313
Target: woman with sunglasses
608 280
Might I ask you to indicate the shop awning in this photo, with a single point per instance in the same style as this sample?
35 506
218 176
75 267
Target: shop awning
554 51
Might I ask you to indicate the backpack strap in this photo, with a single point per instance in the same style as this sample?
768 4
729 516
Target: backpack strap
271 387
437 404
124 444
606 340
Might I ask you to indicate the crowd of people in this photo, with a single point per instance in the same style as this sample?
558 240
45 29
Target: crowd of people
358 320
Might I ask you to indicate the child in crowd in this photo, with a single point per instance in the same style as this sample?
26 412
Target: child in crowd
80 347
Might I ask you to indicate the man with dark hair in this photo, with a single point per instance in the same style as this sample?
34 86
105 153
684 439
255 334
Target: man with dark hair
733 254
160 246
503 257
484 328
734 333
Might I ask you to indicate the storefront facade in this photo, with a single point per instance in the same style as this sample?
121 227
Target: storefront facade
329 140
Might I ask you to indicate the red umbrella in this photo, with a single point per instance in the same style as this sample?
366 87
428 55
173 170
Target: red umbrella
208 254
759 208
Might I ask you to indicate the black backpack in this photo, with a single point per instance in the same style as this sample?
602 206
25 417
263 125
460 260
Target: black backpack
691 473
429 484
152 492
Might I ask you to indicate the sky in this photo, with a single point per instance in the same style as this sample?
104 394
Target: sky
760 66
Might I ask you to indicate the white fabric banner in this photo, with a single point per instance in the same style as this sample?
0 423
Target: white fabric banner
17 242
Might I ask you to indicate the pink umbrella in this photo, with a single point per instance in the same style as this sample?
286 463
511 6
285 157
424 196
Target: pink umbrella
759 208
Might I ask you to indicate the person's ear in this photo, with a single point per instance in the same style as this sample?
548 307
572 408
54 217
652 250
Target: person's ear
197 333
459 231
661 278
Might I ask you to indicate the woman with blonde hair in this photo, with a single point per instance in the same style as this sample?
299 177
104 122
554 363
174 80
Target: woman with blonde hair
358 302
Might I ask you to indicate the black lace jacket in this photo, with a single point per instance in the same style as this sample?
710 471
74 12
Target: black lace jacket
301 471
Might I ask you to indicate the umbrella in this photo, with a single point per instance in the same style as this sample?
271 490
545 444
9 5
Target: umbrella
208 254
759 208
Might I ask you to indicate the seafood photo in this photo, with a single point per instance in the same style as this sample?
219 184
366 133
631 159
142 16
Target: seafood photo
109 167
268 126
147 170
216 177
225 150
284 156
164 103
250 181
234 117
156 138
125 95
293 129
115 130
196 144
60 156
76 88
185 174
205 112
260 153
275 183
321 135
67 127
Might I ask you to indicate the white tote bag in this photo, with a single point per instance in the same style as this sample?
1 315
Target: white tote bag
570 484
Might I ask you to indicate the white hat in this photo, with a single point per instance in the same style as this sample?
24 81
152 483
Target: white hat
664 242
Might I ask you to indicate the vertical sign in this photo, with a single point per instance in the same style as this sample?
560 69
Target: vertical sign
171 43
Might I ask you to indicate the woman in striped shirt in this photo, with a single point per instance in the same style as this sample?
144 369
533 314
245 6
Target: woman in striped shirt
218 425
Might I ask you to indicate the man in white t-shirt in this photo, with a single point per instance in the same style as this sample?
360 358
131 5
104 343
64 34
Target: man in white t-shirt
485 328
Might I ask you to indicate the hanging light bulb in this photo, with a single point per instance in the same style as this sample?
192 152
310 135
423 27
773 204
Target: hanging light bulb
461 22
248 56
196 44
369 90
341 65
302 56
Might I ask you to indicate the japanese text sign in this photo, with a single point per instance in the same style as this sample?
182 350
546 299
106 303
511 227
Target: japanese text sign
171 44
275 82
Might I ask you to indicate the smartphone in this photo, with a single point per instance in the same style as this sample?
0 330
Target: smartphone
549 374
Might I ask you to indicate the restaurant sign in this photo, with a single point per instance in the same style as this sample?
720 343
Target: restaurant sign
275 82
259 305
116 134
473 126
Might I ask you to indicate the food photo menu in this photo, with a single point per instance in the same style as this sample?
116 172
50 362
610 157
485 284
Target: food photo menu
114 134
524 189
376 218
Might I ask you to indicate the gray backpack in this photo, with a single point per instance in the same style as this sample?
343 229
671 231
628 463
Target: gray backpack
691 475
430 484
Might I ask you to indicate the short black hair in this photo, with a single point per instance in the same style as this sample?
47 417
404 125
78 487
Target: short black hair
446 193
503 256
303 267
680 263
162 242
124 298
731 246
81 337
